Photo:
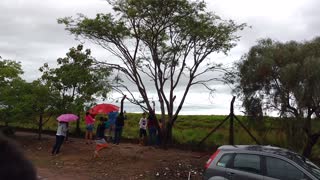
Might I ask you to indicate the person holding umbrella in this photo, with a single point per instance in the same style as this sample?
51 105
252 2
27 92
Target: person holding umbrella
110 110
63 121
60 135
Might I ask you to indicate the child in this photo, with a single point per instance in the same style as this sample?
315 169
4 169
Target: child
143 128
60 135
100 141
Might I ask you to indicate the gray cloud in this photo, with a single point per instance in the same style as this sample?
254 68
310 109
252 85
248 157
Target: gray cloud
29 33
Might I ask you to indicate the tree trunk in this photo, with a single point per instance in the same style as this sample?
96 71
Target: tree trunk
311 141
166 135
231 128
40 127
78 126
311 138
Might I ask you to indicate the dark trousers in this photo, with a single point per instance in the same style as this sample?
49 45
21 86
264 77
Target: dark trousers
152 135
117 134
142 133
56 147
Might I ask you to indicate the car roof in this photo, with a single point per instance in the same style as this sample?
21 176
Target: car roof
262 149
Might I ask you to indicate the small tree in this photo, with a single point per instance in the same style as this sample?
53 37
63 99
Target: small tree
39 101
163 42
10 89
77 79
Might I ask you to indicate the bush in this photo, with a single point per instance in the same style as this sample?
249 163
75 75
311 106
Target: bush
7 131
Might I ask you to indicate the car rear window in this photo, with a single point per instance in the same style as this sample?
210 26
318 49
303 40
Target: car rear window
308 165
247 162
280 169
224 160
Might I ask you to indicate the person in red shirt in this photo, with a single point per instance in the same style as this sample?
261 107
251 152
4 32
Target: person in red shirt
89 120
152 128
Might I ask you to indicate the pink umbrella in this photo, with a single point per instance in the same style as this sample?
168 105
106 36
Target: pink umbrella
67 117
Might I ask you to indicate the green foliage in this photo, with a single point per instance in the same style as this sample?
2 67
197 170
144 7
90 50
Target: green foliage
12 88
162 41
11 95
77 79
277 131
9 70
39 100
282 75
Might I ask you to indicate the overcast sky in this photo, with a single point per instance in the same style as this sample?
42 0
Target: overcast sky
29 33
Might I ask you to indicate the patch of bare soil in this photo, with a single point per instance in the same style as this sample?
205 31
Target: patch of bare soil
124 161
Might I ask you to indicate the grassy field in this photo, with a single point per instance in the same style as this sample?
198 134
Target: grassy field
191 129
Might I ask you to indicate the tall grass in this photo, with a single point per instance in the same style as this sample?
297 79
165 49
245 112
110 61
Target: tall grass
191 129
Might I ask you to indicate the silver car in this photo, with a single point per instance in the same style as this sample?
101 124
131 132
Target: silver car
254 162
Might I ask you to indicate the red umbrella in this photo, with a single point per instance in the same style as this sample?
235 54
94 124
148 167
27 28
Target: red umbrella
103 109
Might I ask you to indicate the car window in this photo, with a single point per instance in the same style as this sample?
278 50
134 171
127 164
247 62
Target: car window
281 169
224 160
247 162
308 165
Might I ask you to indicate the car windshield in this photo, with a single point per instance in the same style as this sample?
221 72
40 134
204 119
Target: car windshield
309 166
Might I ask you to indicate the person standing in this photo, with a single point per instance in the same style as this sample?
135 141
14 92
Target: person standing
119 124
152 128
89 120
100 141
119 128
60 135
112 116
143 129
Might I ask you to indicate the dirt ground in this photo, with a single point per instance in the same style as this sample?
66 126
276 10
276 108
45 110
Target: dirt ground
124 161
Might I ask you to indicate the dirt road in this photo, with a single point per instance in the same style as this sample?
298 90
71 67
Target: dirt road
124 161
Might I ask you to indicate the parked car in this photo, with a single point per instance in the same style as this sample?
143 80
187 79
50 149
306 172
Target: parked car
254 162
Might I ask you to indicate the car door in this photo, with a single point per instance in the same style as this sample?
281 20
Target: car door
280 169
245 167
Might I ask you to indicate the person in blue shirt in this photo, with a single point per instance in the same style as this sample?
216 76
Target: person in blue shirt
112 116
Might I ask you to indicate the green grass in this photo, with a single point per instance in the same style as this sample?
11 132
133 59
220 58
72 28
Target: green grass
191 129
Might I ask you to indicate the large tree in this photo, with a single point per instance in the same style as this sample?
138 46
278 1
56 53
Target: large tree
284 77
78 80
165 43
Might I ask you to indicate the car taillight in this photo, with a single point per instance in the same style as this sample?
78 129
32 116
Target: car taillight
211 159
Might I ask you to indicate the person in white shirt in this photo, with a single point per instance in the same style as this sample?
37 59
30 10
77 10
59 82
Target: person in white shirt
61 134
143 128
